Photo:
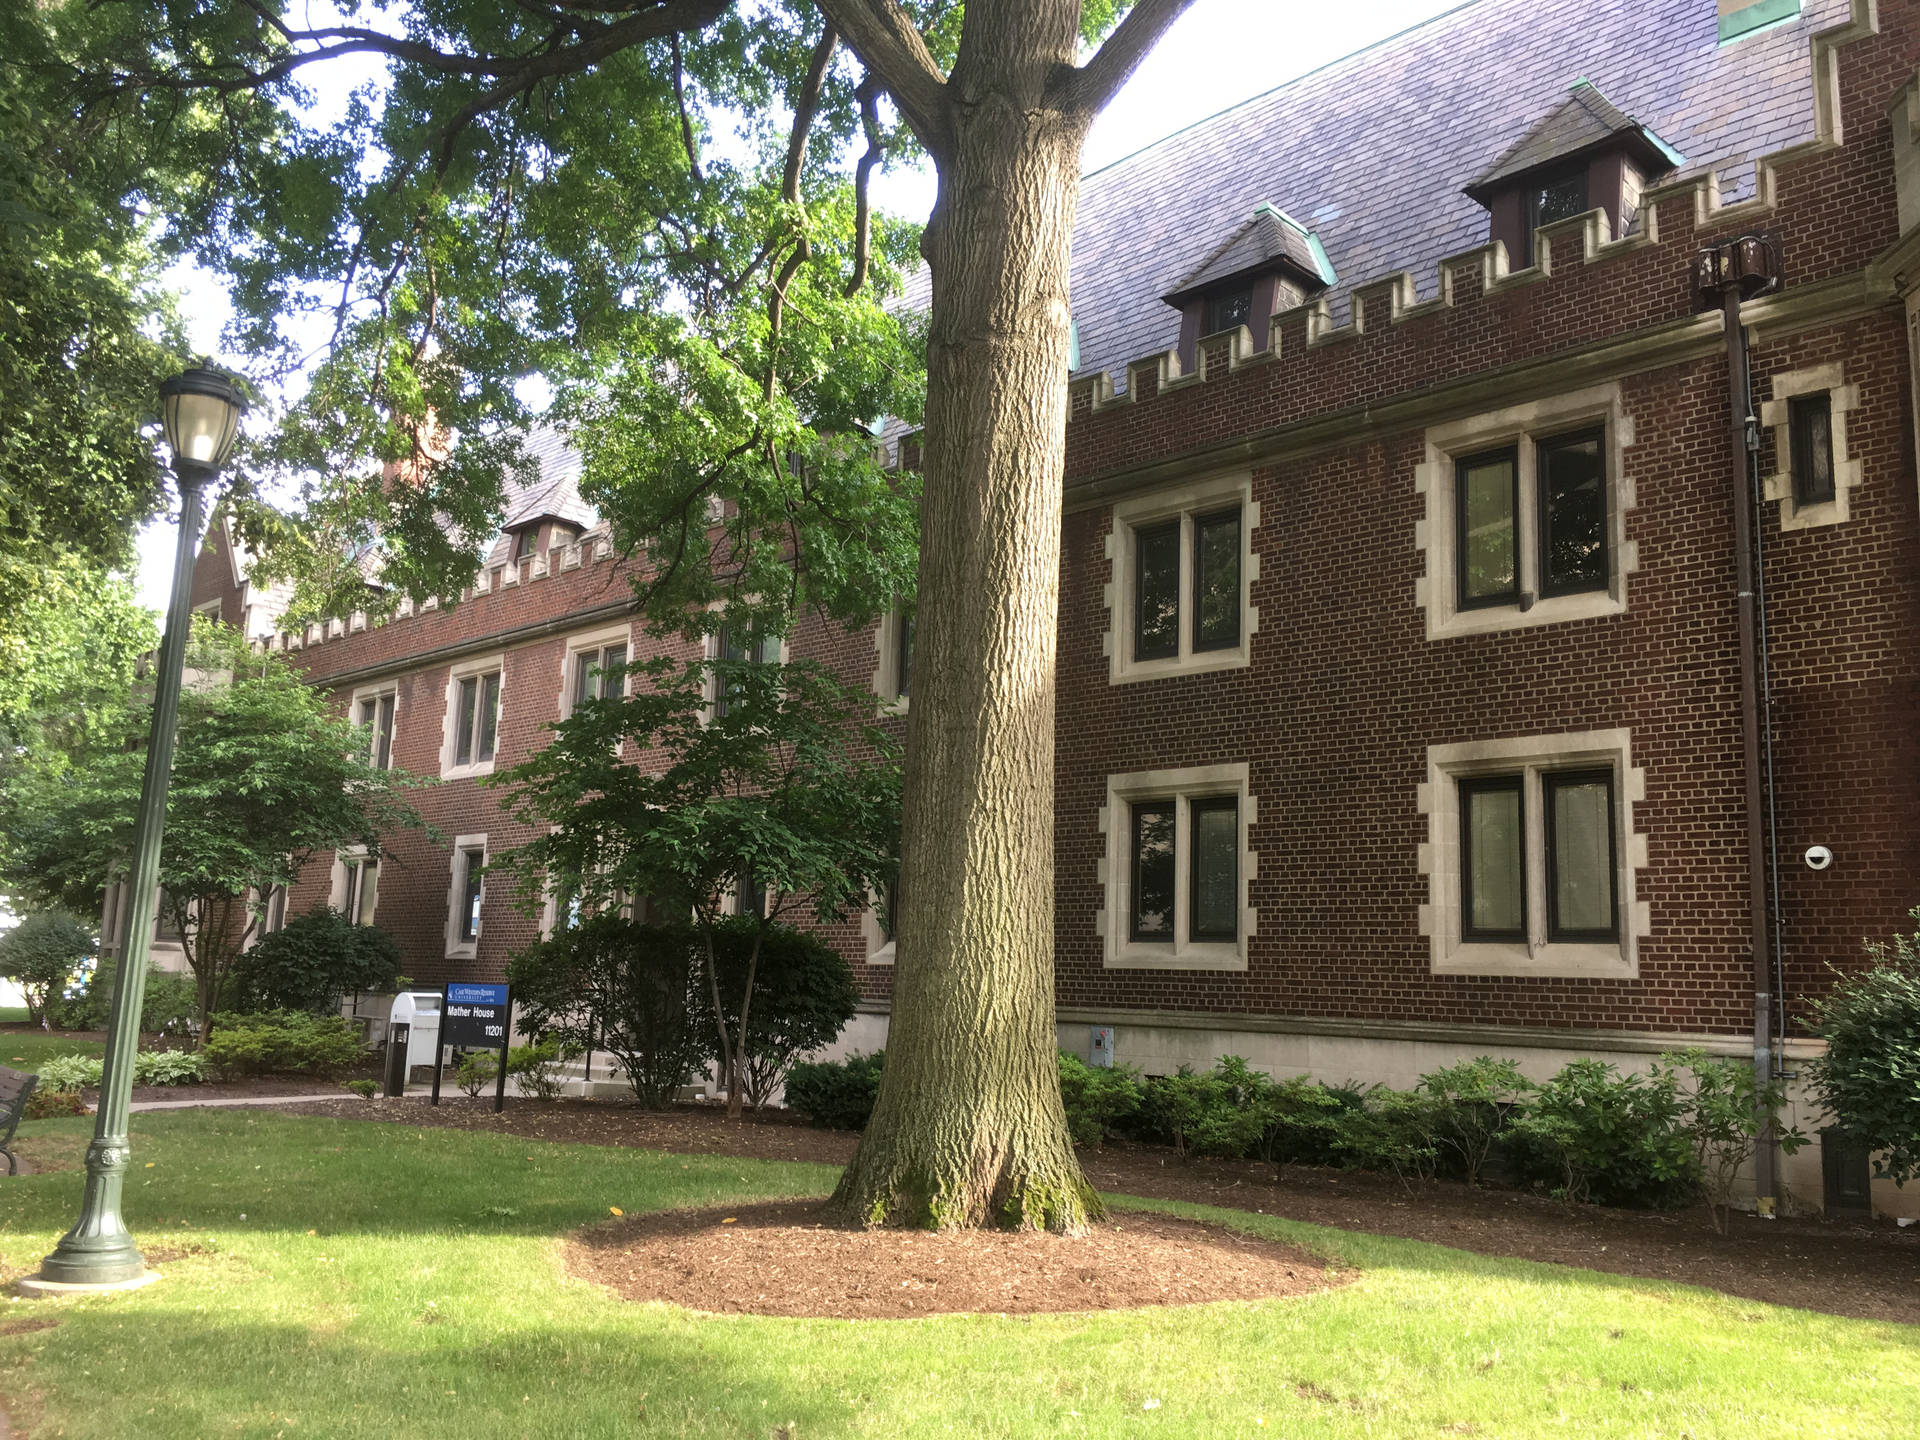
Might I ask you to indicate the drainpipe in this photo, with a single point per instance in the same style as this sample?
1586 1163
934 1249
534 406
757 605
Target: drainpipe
1727 275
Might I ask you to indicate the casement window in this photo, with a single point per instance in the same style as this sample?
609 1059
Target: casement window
525 542
1177 871
739 646
1526 516
1560 197
598 674
166 926
373 713
1532 856
1227 310
474 692
877 924
893 659
1814 472
1184 568
466 895
273 917
356 885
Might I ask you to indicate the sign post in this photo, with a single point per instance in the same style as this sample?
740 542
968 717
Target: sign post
477 1017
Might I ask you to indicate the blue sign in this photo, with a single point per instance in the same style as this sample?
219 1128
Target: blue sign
476 994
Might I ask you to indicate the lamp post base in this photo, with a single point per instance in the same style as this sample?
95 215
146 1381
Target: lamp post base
39 1287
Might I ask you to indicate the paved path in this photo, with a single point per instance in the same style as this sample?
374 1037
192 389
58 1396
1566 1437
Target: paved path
140 1105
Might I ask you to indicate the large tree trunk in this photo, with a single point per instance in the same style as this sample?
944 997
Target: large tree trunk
969 1127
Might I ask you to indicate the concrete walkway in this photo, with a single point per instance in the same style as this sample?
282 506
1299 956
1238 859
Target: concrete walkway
140 1105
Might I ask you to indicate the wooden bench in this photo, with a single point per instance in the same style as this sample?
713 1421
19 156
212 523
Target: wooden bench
15 1087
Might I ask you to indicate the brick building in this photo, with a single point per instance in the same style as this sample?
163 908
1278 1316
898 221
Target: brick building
1401 707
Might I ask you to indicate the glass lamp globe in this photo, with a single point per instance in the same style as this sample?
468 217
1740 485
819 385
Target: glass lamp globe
200 412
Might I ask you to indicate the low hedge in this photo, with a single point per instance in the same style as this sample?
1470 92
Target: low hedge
283 1042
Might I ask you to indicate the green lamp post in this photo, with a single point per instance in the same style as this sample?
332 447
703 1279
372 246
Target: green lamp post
200 412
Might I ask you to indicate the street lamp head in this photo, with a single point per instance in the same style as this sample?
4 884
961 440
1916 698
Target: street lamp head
200 411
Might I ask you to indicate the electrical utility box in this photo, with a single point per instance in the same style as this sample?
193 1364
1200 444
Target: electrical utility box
1100 1047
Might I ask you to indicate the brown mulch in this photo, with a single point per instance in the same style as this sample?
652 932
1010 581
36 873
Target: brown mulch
784 1259
1866 1269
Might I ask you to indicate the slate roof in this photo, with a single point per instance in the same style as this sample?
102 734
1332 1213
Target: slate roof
548 487
1585 121
1372 152
1270 235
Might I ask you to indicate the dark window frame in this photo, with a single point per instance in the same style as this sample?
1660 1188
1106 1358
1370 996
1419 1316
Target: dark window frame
1543 515
1462 601
596 676
903 653
1136 811
525 542
1141 535
1197 805
473 894
1801 410
1218 309
1237 512
1465 787
1551 780
1536 191
378 713
476 717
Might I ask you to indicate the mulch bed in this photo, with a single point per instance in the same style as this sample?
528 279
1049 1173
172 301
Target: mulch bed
785 1259
1866 1269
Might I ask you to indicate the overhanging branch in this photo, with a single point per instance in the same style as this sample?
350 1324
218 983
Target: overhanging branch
885 37
1092 85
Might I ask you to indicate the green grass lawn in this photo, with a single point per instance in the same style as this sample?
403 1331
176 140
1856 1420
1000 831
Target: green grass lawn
30 1049
357 1279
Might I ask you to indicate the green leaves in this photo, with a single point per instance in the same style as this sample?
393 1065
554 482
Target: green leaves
1870 1076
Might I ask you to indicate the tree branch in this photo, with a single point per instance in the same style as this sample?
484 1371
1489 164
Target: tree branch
886 38
869 97
1089 88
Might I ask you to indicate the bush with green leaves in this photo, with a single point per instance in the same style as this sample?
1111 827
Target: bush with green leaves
70 1072
475 1071
1394 1131
627 988
536 1067
169 1067
1470 1104
836 1094
1593 1134
1100 1100
803 997
283 1042
1724 1115
167 1007
365 1089
1216 1112
1303 1121
42 954
45 1104
310 963
1870 1076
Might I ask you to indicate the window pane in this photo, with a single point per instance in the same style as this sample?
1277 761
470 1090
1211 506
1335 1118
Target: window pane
1216 869
369 892
463 731
1580 822
1573 514
1153 871
489 714
471 862
1216 580
1560 200
383 734
1489 570
613 664
1156 632
1492 842
584 665
350 901
904 661
1810 422
1226 311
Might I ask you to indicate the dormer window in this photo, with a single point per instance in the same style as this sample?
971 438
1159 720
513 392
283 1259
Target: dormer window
525 542
1584 155
1271 263
1228 309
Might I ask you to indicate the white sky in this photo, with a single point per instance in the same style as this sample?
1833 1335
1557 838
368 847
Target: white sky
1218 54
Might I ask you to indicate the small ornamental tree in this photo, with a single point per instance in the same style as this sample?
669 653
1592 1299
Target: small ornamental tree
41 954
265 777
312 962
1870 1076
803 997
772 798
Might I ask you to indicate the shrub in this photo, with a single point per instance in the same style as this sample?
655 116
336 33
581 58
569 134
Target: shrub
1393 1131
476 1072
41 955
1303 1121
1098 1100
45 1104
836 1094
1724 1115
1592 1133
167 1007
169 1067
284 1041
537 1067
1870 1076
627 988
70 1072
365 1089
1470 1103
311 963
1212 1113
803 996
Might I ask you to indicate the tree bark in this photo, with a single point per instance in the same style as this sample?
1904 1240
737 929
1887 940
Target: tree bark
969 1128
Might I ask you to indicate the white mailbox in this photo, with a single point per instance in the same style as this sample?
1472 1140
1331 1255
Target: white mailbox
419 1010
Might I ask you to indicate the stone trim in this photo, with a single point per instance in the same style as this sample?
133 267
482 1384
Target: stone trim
1110 922
886 664
479 665
458 949
584 640
1439 858
1521 425
1776 415
1118 595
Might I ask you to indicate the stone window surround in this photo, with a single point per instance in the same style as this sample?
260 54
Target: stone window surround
1184 501
458 949
1776 414
375 691
1439 857
594 641
710 650
460 670
1437 591
1119 952
886 665
337 881
879 949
